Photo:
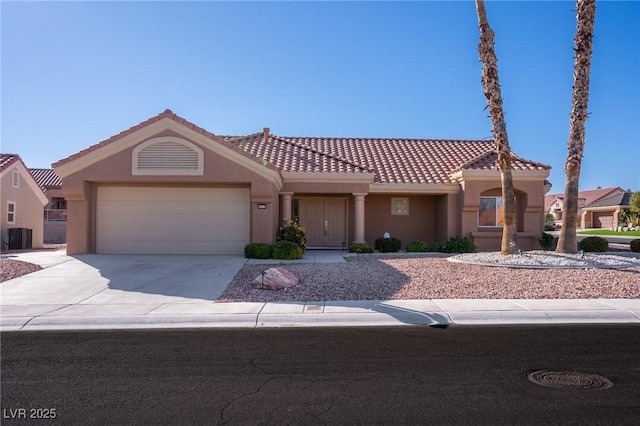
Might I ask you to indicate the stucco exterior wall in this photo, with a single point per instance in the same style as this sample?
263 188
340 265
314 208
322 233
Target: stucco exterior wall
29 207
529 216
419 225
80 191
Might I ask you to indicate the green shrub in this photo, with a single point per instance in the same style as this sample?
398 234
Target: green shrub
294 233
546 241
362 247
549 222
387 245
458 245
593 244
419 246
635 245
287 250
258 251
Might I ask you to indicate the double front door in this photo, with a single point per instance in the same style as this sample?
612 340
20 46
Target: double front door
325 220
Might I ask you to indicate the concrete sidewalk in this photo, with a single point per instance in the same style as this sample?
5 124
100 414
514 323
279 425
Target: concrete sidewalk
117 292
436 312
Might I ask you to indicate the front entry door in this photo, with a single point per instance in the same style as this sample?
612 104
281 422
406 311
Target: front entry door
324 219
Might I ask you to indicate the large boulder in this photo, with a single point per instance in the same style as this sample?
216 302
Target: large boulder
275 279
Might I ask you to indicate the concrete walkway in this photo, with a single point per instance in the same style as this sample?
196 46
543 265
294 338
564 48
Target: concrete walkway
172 291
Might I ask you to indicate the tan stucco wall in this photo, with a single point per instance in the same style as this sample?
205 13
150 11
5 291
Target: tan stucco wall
29 207
80 192
530 214
53 193
419 225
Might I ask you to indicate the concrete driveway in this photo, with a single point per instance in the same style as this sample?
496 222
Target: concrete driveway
103 285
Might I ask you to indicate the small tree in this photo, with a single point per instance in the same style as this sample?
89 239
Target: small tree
292 231
634 202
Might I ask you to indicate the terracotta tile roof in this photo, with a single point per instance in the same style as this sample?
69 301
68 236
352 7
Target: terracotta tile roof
6 160
46 178
391 160
487 161
617 199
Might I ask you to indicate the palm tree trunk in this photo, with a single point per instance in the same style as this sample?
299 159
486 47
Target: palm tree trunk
586 10
492 92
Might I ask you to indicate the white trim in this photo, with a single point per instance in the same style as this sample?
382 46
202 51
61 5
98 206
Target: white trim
13 203
414 188
15 178
168 169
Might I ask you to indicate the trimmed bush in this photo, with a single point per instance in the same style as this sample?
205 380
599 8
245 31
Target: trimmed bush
294 233
635 246
546 241
419 246
593 244
287 250
362 247
458 245
258 251
387 245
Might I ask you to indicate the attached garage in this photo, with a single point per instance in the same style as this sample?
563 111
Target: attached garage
603 220
182 220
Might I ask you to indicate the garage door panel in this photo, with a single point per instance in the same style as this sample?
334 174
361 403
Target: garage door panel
603 220
172 220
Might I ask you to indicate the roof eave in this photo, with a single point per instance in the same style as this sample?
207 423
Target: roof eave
520 175
414 188
605 208
327 177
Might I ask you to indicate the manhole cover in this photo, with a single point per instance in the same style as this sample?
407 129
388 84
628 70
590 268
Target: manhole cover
561 379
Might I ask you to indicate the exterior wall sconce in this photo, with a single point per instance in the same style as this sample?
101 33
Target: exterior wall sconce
262 206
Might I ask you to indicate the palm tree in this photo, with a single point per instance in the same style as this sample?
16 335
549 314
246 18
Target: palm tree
491 86
586 11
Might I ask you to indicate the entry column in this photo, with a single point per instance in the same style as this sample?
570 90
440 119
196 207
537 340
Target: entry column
286 206
359 217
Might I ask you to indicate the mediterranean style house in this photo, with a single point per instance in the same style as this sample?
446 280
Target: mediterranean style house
169 186
21 205
597 208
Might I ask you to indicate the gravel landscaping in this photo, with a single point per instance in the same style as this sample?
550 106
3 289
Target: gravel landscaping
433 276
614 274
10 269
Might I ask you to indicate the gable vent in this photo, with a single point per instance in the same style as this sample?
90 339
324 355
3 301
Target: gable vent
167 156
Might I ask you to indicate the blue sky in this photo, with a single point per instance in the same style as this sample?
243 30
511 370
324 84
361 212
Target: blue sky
75 73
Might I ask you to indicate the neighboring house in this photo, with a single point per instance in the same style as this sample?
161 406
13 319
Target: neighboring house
604 212
169 186
21 204
554 203
55 212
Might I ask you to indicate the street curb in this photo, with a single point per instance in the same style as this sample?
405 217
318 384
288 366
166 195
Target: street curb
362 319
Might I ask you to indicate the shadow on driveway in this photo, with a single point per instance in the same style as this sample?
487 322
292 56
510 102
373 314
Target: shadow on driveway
130 277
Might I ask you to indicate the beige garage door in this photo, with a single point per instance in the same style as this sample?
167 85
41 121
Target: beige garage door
172 220
603 220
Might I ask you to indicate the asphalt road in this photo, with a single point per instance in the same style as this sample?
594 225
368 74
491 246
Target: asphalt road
403 375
